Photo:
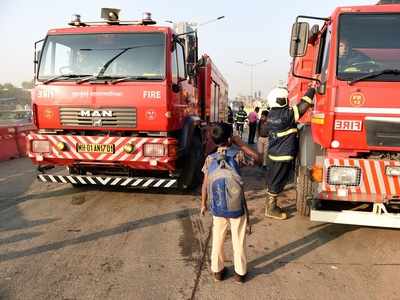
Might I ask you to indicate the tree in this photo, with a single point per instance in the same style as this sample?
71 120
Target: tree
27 84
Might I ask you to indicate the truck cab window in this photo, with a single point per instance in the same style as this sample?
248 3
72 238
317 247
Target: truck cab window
366 45
323 55
57 59
139 56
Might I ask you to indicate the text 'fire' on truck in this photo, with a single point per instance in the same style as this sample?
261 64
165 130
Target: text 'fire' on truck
349 164
123 103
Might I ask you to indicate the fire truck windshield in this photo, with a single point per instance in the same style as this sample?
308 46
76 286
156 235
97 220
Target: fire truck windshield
367 44
139 56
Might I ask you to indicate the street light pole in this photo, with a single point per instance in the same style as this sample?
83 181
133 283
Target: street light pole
252 67
197 25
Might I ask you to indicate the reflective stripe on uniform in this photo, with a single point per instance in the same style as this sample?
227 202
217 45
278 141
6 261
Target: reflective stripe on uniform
296 113
280 157
307 99
287 132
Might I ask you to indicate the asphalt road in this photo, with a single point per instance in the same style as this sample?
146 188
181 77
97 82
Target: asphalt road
59 242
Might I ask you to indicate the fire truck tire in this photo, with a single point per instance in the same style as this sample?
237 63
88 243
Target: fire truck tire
304 191
191 175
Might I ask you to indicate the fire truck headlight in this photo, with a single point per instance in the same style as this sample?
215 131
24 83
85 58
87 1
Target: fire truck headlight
129 148
61 146
40 146
338 175
153 150
393 171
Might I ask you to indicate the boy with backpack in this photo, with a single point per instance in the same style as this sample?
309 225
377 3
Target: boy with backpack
223 189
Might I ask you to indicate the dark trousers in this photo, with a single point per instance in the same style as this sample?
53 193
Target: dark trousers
252 132
278 175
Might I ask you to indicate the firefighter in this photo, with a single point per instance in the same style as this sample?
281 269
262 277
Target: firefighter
282 143
240 119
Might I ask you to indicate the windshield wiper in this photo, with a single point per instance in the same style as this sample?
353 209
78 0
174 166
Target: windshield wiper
110 61
375 74
135 78
96 77
63 76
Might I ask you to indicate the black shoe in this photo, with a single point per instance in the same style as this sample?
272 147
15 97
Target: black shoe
219 276
240 278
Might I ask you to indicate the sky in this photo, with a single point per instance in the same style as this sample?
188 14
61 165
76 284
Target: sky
252 31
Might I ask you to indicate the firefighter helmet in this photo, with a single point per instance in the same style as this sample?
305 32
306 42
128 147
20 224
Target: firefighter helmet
278 97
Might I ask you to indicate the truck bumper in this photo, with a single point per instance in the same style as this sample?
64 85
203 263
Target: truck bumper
135 182
379 217
374 184
136 159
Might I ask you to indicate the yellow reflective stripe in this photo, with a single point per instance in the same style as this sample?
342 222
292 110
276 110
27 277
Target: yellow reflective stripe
296 113
307 99
287 132
281 157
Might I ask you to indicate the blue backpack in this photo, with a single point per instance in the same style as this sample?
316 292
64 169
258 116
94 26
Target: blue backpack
225 185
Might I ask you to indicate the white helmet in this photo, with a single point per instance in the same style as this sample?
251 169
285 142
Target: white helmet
278 97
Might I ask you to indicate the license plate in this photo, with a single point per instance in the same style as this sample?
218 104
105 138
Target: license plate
95 148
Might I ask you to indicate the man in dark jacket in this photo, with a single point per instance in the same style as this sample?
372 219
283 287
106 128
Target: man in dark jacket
240 119
282 143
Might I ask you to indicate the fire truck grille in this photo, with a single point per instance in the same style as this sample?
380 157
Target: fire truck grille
383 134
104 117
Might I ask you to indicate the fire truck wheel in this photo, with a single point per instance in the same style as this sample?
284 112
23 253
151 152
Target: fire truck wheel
191 175
304 191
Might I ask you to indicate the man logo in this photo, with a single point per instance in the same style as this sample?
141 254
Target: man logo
97 123
96 113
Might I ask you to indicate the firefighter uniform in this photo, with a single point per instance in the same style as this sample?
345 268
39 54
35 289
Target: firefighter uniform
240 119
283 144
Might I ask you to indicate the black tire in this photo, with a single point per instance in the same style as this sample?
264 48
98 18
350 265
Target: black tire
304 191
192 175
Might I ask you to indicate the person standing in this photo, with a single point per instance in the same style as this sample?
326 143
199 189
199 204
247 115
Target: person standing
229 116
262 141
282 144
253 119
240 118
223 189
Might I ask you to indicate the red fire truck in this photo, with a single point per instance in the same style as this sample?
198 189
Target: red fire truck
123 104
349 164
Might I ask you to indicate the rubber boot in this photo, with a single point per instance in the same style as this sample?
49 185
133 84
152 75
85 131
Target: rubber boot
272 210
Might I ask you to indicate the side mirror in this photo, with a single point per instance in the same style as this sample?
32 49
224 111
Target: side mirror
36 55
299 39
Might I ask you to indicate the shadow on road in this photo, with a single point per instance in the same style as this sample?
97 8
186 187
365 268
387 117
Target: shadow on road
19 237
123 228
48 194
284 255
